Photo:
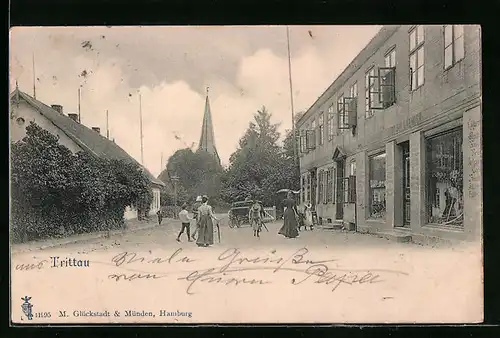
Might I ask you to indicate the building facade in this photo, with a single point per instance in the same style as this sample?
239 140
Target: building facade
73 135
394 144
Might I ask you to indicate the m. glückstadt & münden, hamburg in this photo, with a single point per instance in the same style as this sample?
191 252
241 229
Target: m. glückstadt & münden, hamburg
394 145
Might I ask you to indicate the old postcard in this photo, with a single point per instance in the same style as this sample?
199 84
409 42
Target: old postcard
246 174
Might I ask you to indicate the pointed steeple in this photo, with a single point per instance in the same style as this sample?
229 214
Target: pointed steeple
207 139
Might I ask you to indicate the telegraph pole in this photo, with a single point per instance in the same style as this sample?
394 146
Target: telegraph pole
140 116
34 76
291 95
79 113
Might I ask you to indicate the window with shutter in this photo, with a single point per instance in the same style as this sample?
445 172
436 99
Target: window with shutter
320 186
310 139
383 92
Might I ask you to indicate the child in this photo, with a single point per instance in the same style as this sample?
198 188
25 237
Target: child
185 220
254 216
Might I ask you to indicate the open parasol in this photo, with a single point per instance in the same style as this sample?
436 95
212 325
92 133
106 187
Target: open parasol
288 190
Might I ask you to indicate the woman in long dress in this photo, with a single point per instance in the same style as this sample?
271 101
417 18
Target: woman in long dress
289 228
206 226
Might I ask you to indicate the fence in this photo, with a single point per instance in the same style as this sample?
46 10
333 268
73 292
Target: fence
270 214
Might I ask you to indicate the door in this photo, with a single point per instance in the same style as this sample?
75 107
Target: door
339 214
405 147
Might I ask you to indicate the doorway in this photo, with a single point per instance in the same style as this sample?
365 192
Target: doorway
405 151
339 205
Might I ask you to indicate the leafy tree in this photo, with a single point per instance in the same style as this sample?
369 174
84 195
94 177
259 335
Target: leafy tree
256 166
198 172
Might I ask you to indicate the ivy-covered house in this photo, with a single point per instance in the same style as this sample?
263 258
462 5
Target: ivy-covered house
72 134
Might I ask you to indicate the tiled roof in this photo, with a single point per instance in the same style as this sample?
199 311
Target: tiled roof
85 137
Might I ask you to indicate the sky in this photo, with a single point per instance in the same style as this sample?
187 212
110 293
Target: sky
245 68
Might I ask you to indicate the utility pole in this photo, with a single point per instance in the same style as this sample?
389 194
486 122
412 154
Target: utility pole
291 95
140 116
161 162
79 112
34 76
107 124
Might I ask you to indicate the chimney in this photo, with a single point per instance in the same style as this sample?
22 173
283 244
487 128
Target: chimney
73 116
57 108
96 129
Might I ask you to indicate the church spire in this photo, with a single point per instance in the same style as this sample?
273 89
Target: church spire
207 138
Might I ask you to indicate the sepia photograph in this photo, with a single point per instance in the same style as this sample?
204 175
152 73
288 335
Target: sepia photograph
246 174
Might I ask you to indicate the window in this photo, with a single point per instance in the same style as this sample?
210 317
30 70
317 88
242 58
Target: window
310 137
331 125
444 178
353 90
377 186
325 186
320 186
302 141
342 116
352 168
390 59
382 91
416 57
369 86
349 184
308 187
321 128
453 44
302 196
329 186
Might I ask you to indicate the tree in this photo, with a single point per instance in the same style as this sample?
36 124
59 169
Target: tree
199 173
256 167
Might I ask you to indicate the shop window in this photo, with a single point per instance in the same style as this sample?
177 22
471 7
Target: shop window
321 128
454 50
377 186
445 179
416 57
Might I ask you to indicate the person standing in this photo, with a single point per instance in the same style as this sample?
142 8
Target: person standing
254 215
205 224
196 205
160 216
186 223
289 228
308 221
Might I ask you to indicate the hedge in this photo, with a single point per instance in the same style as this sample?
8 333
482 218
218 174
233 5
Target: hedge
57 193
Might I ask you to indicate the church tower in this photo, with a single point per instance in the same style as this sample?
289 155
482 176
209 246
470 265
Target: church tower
207 139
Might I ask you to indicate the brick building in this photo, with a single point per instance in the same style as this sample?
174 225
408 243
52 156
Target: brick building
393 146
